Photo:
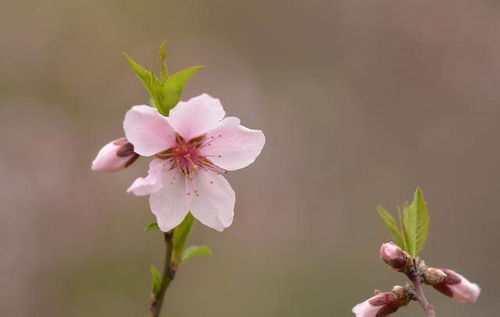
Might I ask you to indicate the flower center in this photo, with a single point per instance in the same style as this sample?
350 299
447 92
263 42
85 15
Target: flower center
186 156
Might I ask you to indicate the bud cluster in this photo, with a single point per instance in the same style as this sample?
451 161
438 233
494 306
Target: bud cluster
445 281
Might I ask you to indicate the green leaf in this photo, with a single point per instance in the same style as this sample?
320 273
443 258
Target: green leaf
156 93
146 77
163 62
391 224
194 251
181 234
422 225
156 280
172 89
150 81
152 226
416 224
410 229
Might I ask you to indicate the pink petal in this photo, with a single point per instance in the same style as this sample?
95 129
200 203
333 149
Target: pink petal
233 146
365 309
171 204
196 116
213 202
148 130
152 183
465 291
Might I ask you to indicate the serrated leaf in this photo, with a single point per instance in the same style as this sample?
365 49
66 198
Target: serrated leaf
422 225
173 87
152 226
391 224
181 234
156 280
194 251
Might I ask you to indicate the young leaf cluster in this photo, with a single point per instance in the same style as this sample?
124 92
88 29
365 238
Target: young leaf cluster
412 229
164 90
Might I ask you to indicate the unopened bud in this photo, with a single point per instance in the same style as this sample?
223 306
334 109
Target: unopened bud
114 156
382 304
394 256
453 285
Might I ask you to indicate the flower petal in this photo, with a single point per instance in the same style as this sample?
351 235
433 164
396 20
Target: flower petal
148 130
151 183
170 205
213 202
196 116
233 146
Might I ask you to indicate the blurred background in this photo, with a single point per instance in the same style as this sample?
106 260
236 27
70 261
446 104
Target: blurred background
360 101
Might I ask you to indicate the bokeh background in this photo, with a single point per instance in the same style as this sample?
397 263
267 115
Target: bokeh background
361 101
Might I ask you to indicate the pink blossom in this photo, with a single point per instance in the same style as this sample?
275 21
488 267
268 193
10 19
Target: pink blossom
114 156
193 147
457 287
381 305
394 256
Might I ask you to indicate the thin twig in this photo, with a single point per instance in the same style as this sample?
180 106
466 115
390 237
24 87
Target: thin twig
167 276
416 280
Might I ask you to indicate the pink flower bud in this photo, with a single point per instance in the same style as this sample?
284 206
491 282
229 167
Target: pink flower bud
394 256
383 304
455 286
114 156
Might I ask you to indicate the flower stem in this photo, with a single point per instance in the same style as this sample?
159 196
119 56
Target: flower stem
416 279
168 275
